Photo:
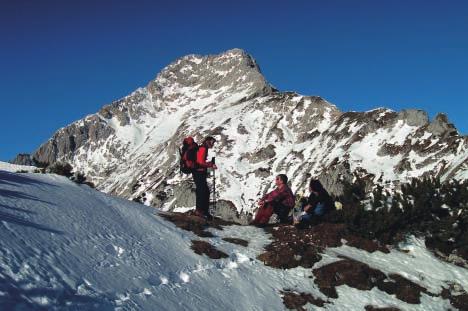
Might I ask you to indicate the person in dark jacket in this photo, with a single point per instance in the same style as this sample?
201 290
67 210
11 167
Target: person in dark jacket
279 201
316 206
200 175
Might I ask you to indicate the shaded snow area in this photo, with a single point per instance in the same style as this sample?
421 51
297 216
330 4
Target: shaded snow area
66 246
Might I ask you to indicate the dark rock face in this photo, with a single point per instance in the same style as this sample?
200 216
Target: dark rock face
440 126
63 145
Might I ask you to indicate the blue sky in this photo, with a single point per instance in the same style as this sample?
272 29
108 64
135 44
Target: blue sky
63 60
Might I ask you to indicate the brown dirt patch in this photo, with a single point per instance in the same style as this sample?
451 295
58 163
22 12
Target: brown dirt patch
457 298
295 301
403 289
372 308
195 224
202 247
237 241
292 247
360 276
346 272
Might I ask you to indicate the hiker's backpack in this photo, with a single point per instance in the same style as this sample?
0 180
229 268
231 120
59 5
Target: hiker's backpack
188 155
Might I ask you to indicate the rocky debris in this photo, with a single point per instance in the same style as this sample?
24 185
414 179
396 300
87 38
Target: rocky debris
296 301
195 224
202 247
292 247
237 241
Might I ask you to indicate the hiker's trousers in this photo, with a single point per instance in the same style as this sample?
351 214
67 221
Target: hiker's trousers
202 191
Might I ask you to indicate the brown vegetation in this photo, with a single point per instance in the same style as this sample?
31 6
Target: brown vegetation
202 247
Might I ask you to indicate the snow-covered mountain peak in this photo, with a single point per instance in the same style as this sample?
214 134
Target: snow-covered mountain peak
130 147
195 76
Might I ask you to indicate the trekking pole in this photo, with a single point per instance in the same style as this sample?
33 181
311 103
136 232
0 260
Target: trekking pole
213 160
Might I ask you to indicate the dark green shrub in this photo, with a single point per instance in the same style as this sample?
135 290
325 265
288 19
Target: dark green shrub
59 168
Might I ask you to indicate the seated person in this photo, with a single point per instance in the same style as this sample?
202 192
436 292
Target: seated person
317 205
280 201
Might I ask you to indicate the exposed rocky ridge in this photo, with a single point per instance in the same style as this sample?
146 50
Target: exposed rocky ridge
129 147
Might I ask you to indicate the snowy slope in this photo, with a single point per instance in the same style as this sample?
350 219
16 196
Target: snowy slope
66 247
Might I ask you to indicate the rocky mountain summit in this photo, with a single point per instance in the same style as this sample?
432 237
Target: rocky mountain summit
130 147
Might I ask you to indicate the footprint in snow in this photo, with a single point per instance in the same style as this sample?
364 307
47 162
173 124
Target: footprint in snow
114 250
236 259
184 277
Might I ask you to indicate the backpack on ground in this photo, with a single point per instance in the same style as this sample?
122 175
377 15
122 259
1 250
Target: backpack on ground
188 155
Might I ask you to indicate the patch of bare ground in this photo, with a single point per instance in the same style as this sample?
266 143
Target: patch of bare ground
188 221
202 247
292 247
296 301
237 241
360 276
373 308
457 297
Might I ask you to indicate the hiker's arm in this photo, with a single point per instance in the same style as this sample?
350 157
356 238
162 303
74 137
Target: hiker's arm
275 195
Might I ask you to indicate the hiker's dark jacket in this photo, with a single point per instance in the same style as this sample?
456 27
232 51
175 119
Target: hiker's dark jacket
320 204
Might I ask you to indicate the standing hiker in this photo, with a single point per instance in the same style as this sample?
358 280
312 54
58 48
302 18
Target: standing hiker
279 201
316 206
200 174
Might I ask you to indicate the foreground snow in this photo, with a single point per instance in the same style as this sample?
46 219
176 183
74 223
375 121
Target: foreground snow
66 246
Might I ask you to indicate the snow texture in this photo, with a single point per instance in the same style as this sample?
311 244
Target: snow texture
66 246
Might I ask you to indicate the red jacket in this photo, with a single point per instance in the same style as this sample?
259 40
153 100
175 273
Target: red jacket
202 154
282 195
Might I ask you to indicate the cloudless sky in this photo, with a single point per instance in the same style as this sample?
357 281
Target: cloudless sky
62 60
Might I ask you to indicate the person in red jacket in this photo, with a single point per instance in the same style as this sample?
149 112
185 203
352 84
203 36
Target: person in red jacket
200 174
279 201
